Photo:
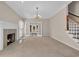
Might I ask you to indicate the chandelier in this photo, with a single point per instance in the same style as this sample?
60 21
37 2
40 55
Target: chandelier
37 16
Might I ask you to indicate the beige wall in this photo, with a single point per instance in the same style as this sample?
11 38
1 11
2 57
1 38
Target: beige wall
57 29
45 27
7 13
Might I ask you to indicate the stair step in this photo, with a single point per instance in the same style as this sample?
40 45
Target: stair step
74 30
74 33
76 37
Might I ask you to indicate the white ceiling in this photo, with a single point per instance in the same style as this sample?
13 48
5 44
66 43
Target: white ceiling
27 9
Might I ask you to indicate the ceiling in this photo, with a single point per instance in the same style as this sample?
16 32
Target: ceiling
27 9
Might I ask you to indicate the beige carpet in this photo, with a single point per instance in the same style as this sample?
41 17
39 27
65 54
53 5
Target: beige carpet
39 47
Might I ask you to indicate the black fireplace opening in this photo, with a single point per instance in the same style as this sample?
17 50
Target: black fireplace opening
10 38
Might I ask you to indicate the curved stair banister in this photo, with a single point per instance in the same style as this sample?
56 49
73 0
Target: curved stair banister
73 26
74 17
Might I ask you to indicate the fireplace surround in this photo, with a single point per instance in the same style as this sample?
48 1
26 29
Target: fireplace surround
9 37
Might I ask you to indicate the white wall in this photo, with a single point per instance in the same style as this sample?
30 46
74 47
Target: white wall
57 29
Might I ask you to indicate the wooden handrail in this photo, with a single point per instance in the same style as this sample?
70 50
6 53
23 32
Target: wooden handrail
73 20
73 14
70 14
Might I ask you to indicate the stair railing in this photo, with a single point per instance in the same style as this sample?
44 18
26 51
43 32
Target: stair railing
73 26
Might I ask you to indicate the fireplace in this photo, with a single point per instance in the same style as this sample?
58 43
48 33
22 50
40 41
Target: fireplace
10 38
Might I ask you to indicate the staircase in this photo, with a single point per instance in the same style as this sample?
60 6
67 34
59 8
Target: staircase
73 27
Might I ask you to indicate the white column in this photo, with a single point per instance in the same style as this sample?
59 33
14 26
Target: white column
27 30
21 28
1 39
40 29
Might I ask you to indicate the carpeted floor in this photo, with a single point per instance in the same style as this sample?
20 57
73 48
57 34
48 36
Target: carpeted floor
39 47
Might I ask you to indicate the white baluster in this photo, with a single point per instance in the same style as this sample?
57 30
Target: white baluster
76 30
